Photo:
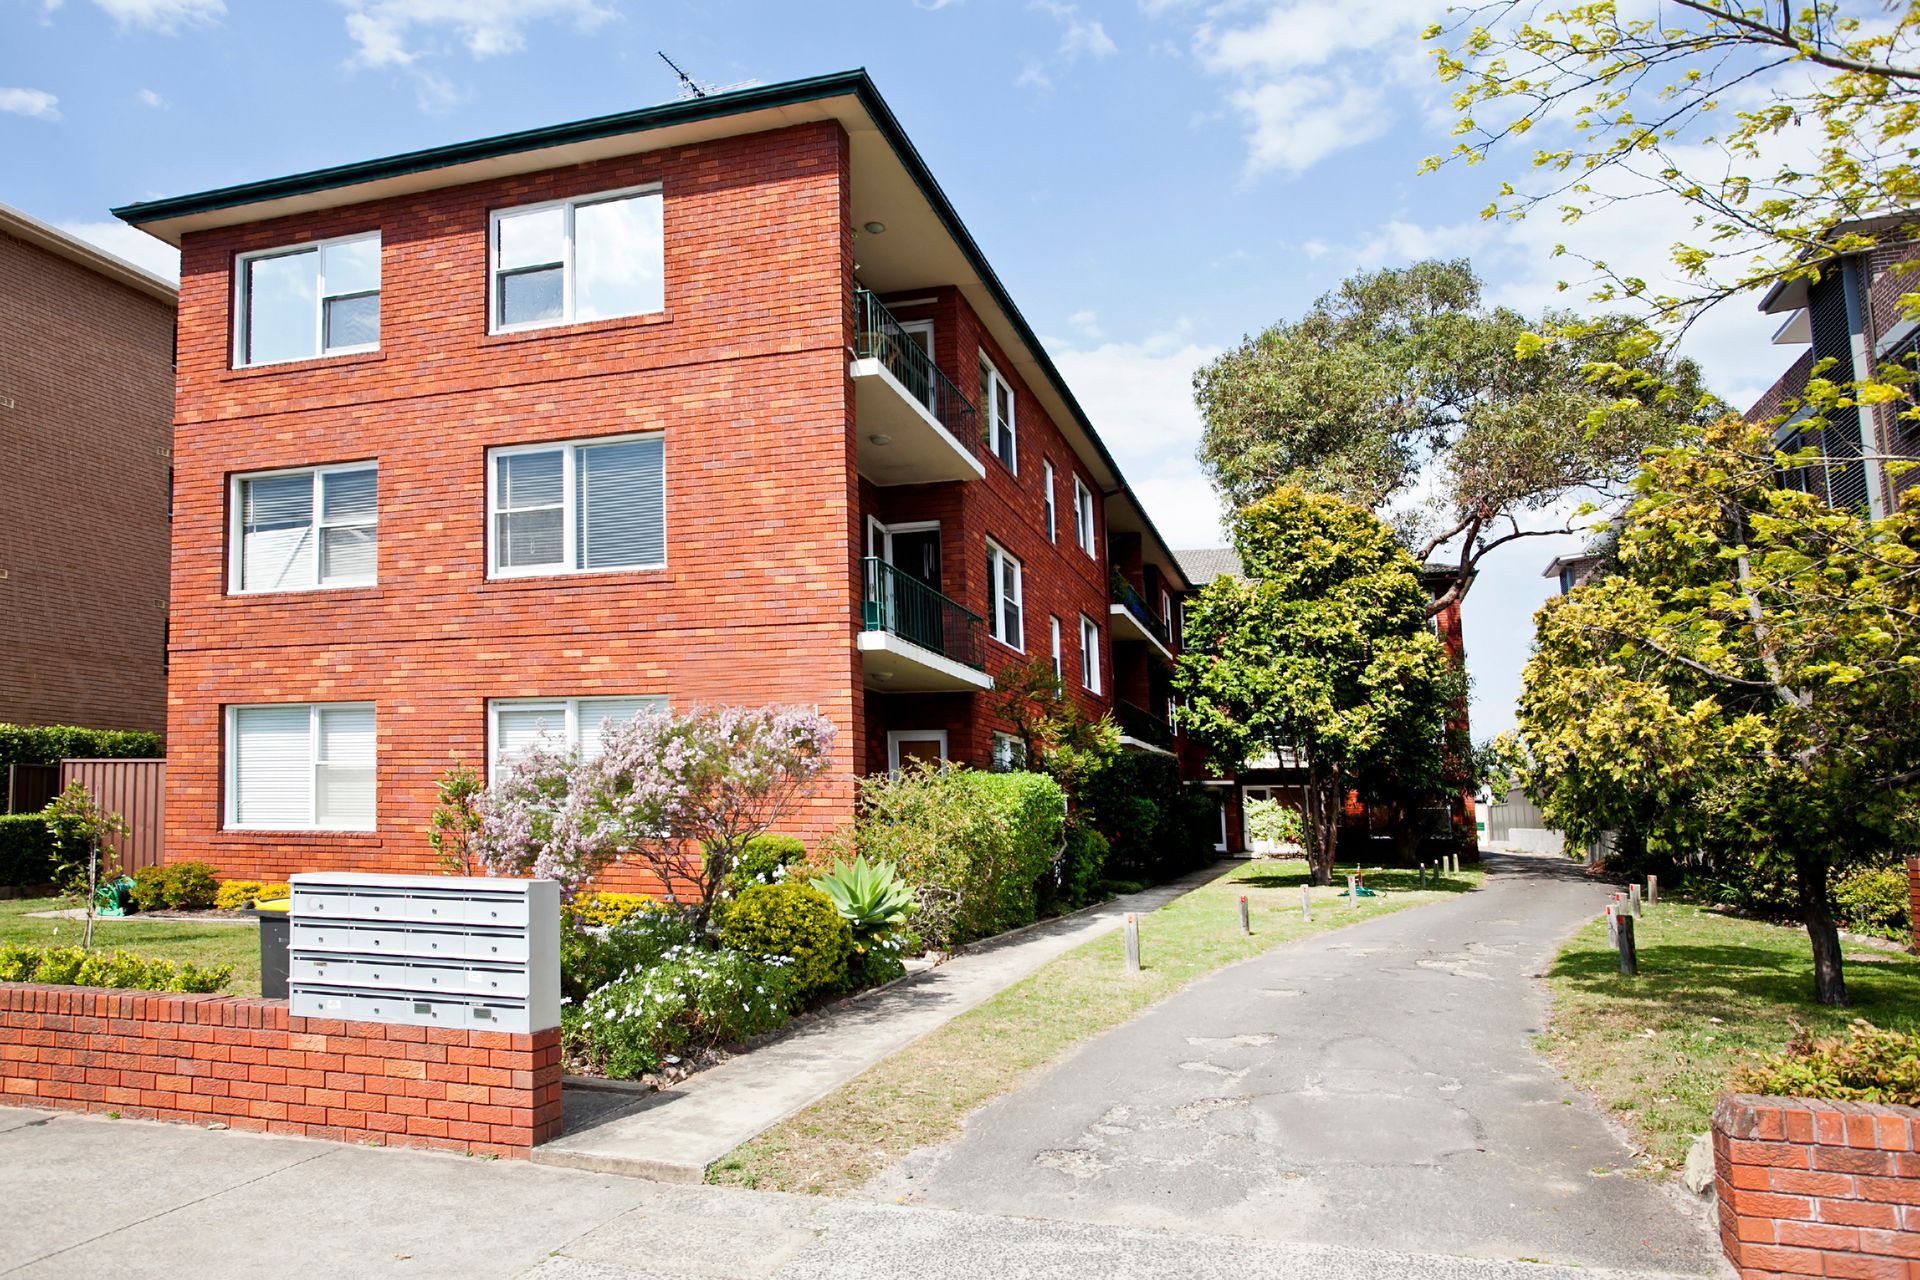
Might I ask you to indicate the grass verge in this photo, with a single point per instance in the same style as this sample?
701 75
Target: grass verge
919 1096
1713 992
182 941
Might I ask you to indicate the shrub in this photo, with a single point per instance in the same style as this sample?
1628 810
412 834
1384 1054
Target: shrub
150 888
876 902
975 846
1875 900
601 909
26 849
1274 822
590 958
52 743
1082 865
765 860
1156 828
454 824
74 966
238 895
689 1000
1872 1065
795 921
191 886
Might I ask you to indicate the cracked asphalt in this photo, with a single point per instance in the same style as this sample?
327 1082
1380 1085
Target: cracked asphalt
1372 1087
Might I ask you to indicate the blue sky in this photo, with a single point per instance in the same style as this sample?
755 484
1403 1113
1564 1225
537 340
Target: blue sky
1152 180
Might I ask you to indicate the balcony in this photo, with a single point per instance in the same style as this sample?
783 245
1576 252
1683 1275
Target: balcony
1142 730
1134 620
914 425
914 640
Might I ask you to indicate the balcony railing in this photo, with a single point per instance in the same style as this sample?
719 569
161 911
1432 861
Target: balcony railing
878 336
908 608
1151 622
1142 725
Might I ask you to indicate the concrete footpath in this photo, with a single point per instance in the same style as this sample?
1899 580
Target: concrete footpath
675 1134
82 1197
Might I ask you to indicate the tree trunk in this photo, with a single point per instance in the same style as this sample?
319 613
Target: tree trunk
1829 979
1323 822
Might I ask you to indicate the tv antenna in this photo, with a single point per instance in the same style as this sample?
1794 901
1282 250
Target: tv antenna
691 88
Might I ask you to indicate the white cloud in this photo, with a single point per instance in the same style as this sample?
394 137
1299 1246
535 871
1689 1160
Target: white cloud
1295 123
1079 38
136 246
148 98
36 104
400 32
1087 321
165 16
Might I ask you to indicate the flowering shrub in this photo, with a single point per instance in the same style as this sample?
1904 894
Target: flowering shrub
602 909
238 895
590 958
795 922
766 860
663 787
689 1000
1871 1065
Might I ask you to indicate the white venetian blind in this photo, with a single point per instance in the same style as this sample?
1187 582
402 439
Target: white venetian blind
272 753
518 729
343 759
621 499
597 715
276 530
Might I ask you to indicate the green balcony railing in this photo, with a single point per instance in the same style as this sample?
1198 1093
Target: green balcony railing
878 336
907 607
1142 725
1124 593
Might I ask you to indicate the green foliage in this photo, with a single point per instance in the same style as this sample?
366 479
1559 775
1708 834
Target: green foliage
1148 817
599 909
26 850
178 886
1274 822
52 743
455 822
83 838
76 966
795 921
877 903
1056 736
591 957
150 888
689 1000
1875 900
765 859
1083 865
1870 1065
238 895
974 845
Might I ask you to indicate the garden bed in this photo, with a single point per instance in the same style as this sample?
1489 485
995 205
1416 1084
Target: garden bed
183 941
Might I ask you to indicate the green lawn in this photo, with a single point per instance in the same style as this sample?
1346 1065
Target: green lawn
237 945
920 1095
1713 992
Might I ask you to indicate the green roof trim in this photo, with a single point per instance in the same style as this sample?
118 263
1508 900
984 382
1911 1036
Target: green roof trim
788 93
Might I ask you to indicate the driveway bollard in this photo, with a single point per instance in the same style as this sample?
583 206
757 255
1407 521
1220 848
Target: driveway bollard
1133 943
1633 900
1613 927
1629 958
1353 897
1246 925
1306 904
1653 891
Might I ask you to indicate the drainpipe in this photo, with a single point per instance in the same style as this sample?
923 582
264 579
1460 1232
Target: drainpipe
1854 287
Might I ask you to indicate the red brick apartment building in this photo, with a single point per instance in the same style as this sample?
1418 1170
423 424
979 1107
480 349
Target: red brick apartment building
712 402
86 420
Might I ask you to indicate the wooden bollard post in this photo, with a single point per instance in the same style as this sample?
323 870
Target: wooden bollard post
1629 958
1633 900
1653 891
1423 875
1133 943
1353 894
1613 926
1246 925
1306 904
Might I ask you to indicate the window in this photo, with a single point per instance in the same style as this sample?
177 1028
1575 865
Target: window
1083 516
579 507
1053 534
302 530
1003 598
916 748
574 260
1089 653
320 299
297 766
1053 629
996 404
514 725
1009 753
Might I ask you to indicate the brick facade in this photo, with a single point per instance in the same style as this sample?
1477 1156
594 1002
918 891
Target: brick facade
249 1064
1810 1188
1913 895
85 422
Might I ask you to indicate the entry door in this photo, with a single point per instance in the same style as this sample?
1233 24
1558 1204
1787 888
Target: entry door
912 597
905 746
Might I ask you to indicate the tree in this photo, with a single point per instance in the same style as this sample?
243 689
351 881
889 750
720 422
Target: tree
679 794
1746 686
1055 736
1323 651
1776 125
455 822
82 831
1403 392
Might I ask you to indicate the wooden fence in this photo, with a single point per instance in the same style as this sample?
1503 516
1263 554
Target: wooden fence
134 789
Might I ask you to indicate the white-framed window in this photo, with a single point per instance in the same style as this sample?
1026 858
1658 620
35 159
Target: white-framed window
1004 620
1089 653
996 406
581 506
1009 753
907 746
1053 630
514 725
300 766
1083 515
305 301
1053 525
304 530
590 258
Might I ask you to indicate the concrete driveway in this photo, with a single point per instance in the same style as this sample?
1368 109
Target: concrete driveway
1375 1086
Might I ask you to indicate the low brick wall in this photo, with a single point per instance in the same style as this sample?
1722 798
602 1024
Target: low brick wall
1812 1188
252 1065
1913 899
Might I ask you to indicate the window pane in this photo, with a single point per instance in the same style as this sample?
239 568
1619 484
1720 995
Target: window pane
346 734
617 257
353 322
276 549
352 266
531 538
280 299
620 499
347 496
530 296
270 776
518 730
531 480
347 554
597 715
533 237
345 772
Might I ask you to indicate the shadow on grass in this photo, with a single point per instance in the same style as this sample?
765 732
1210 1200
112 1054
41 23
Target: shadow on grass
1390 880
1709 979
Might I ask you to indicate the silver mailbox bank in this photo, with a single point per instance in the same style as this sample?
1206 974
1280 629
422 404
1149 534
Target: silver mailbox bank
428 951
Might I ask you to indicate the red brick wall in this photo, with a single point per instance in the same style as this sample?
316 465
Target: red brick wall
250 1065
86 369
1913 891
744 371
1812 1188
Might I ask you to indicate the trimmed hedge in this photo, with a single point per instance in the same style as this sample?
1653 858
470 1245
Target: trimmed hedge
794 922
52 743
1156 827
1871 1065
77 967
26 850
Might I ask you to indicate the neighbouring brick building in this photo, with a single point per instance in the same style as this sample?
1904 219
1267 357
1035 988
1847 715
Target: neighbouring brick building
713 402
86 422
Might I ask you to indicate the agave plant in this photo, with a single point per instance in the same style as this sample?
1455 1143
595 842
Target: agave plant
869 894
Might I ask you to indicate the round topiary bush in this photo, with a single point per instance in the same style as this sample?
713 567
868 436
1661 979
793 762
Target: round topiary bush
765 858
796 921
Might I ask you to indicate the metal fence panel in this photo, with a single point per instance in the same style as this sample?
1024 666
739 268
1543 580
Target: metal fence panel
134 789
30 786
